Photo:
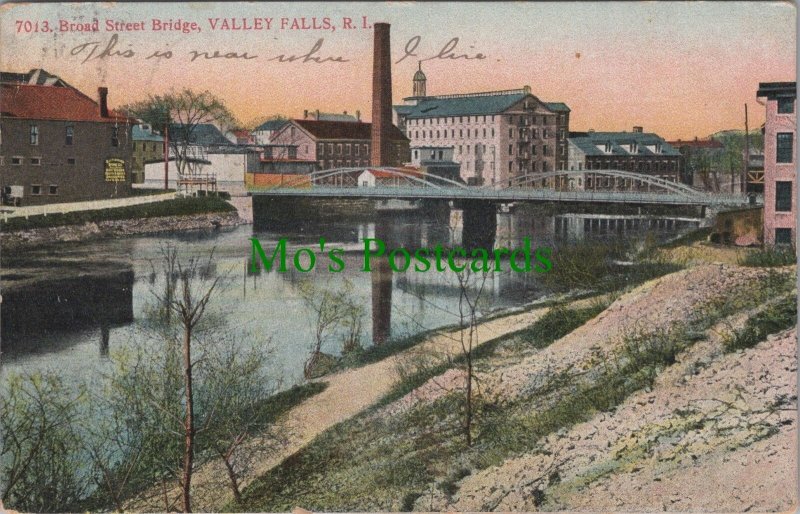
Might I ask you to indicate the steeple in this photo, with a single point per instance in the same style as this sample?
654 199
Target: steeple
419 82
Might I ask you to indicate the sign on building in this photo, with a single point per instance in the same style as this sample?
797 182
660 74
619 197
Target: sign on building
115 170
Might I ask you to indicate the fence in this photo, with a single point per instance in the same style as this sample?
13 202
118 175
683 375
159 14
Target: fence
91 205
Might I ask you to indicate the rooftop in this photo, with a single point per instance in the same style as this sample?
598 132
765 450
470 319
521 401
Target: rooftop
774 89
344 130
588 142
35 102
203 134
270 125
140 133
488 102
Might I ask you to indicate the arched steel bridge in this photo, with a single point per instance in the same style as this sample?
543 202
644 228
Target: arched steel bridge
401 184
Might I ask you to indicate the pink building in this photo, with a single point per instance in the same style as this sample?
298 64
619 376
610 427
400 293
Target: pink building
780 166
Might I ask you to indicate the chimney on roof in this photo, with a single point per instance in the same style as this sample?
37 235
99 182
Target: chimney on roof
358 115
305 114
345 113
381 96
638 129
102 96
317 115
695 138
590 131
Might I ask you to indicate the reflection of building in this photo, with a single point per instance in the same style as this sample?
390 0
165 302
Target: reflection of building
636 151
780 172
338 144
702 161
148 147
59 145
497 135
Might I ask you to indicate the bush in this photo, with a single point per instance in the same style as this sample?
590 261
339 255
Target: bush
776 317
770 257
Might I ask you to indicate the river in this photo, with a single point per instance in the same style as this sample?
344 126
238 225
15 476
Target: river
68 307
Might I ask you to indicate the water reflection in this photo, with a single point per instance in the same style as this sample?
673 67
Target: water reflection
74 314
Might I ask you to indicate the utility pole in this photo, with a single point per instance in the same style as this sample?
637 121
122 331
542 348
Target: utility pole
746 166
166 156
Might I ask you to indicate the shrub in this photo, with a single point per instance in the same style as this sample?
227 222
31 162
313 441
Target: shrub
774 318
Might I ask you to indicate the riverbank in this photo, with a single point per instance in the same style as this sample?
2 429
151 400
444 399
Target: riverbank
624 402
177 215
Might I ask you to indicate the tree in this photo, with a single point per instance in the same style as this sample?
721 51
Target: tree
40 459
189 304
179 113
331 311
470 292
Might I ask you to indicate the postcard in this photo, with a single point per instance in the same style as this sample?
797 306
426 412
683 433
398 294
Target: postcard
398 256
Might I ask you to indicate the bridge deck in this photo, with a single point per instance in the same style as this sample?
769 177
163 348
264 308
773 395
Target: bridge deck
522 194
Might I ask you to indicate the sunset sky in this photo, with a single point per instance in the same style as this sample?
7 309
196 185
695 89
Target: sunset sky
680 69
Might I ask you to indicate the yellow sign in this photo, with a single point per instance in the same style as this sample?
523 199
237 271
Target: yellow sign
115 170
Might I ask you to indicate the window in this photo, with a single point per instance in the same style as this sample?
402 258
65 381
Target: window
34 134
16 161
510 149
783 196
36 190
783 236
115 136
339 149
330 148
357 148
134 145
69 132
321 149
416 154
36 161
785 150
347 149
511 133
53 189
785 105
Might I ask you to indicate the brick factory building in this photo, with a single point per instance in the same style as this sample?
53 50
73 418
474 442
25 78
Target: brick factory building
496 135
780 167
338 144
637 151
59 145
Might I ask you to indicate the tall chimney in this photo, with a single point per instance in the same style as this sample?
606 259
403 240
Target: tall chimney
638 129
102 94
381 97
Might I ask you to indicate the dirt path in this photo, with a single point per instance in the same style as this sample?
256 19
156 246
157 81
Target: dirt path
348 393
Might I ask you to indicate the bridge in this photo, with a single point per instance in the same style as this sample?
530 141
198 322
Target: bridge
398 183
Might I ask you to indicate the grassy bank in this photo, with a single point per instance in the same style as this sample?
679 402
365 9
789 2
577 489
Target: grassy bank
176 207
378 461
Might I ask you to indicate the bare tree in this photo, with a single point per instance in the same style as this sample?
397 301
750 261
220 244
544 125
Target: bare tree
179 114
192 295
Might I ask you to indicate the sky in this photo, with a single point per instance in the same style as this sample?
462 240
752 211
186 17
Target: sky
680 69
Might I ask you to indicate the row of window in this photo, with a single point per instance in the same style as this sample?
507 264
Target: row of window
523 153
662 165
153 146
522 167
347 163
451 119
69 135
431 134
33 161
38 189
347 148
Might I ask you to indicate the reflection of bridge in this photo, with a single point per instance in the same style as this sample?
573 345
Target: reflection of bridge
625 188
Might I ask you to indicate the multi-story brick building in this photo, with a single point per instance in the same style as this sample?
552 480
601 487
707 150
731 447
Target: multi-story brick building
496 135
780 167
59 145
637 151
336 144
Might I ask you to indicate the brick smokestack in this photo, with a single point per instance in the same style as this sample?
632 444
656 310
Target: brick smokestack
381 97
102 95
